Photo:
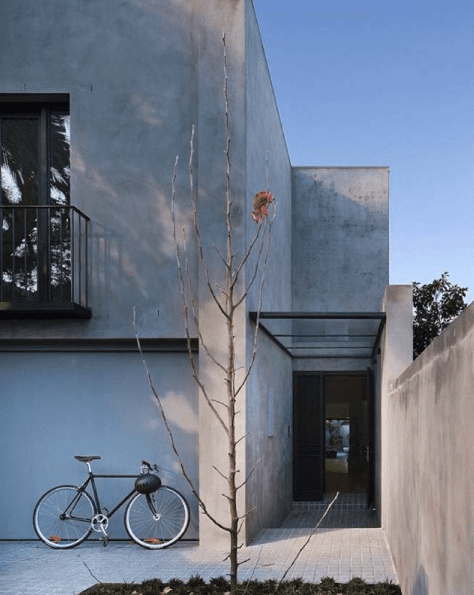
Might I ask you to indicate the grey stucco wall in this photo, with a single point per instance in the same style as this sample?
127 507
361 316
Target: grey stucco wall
269 441
340 238
395 356
254 129
139 74
269 391
218 17
428 508
130 70
63 403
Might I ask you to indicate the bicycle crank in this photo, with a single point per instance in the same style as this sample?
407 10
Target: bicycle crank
99 524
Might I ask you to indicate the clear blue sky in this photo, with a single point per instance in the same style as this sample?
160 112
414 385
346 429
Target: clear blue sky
386 83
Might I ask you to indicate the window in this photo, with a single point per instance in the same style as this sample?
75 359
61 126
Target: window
35 142
38 225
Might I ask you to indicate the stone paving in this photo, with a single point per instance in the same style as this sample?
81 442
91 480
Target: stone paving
31 568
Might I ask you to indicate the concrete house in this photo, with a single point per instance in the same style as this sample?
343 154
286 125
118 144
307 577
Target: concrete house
96 100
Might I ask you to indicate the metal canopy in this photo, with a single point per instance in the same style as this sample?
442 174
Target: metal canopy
323 334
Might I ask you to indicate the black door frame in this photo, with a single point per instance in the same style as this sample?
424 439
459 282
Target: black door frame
304 452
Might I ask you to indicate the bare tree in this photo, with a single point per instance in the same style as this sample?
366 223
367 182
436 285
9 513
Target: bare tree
238 273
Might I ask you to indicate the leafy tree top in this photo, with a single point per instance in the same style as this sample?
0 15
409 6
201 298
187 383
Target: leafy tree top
435 305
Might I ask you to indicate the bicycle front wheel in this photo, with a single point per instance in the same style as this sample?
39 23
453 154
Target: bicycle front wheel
62 518
157 520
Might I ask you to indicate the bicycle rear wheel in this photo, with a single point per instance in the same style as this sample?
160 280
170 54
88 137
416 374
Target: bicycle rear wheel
62 518
157 520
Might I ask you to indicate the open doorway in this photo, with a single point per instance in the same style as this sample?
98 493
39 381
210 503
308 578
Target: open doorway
346 434
333 428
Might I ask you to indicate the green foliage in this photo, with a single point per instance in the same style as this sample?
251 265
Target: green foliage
328 586
436 305
195 582
356 586
386 588
220 586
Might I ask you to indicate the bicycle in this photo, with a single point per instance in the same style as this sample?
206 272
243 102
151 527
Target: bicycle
156 515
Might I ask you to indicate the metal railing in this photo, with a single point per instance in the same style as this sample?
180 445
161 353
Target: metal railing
44 255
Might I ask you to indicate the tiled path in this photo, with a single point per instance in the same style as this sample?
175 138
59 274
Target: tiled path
348 511
31 568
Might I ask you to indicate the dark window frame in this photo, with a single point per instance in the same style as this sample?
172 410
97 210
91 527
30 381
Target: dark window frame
51 195
40 108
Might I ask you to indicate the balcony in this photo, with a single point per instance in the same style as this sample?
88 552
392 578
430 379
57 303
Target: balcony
43 262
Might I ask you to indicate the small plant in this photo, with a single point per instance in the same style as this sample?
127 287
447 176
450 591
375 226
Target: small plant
221 586
196 581
357 586
328 586
291 587
386 588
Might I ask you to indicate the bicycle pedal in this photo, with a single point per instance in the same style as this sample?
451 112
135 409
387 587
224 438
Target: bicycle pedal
105 541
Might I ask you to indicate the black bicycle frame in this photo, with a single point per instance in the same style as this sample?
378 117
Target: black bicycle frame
91 480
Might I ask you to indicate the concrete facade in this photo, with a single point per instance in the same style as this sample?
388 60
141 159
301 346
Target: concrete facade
139 74
345 211
61 400
427 509
396 355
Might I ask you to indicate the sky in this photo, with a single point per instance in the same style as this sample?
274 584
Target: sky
386 83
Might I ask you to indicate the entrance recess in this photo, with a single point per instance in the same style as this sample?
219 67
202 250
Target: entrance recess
333 434
333 413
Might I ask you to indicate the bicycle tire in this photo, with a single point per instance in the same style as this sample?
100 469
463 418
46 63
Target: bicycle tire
68 532
157 520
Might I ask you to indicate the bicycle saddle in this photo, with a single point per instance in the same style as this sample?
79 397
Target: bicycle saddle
86 459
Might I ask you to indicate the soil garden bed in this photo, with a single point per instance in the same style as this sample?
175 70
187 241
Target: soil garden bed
220 586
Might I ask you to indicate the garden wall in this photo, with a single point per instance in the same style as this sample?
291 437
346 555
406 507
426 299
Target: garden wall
427 465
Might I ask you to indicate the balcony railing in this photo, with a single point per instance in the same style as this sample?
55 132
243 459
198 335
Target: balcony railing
43 262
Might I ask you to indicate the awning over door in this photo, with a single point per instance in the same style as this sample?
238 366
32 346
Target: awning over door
324 334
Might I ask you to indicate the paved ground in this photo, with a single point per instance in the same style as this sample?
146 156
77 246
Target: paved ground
31 568
349 511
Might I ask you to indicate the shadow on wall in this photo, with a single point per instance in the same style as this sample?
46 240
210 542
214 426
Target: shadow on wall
127 132
345 211
421 586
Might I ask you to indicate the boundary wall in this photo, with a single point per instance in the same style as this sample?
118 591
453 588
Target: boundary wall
427 465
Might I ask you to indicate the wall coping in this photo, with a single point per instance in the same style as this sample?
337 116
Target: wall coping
456 332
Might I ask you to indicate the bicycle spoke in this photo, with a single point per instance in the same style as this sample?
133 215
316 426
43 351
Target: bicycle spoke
157 520
62 517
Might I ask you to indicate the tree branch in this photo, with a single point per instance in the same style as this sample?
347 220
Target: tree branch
305 544
168 429
185 307
248 476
